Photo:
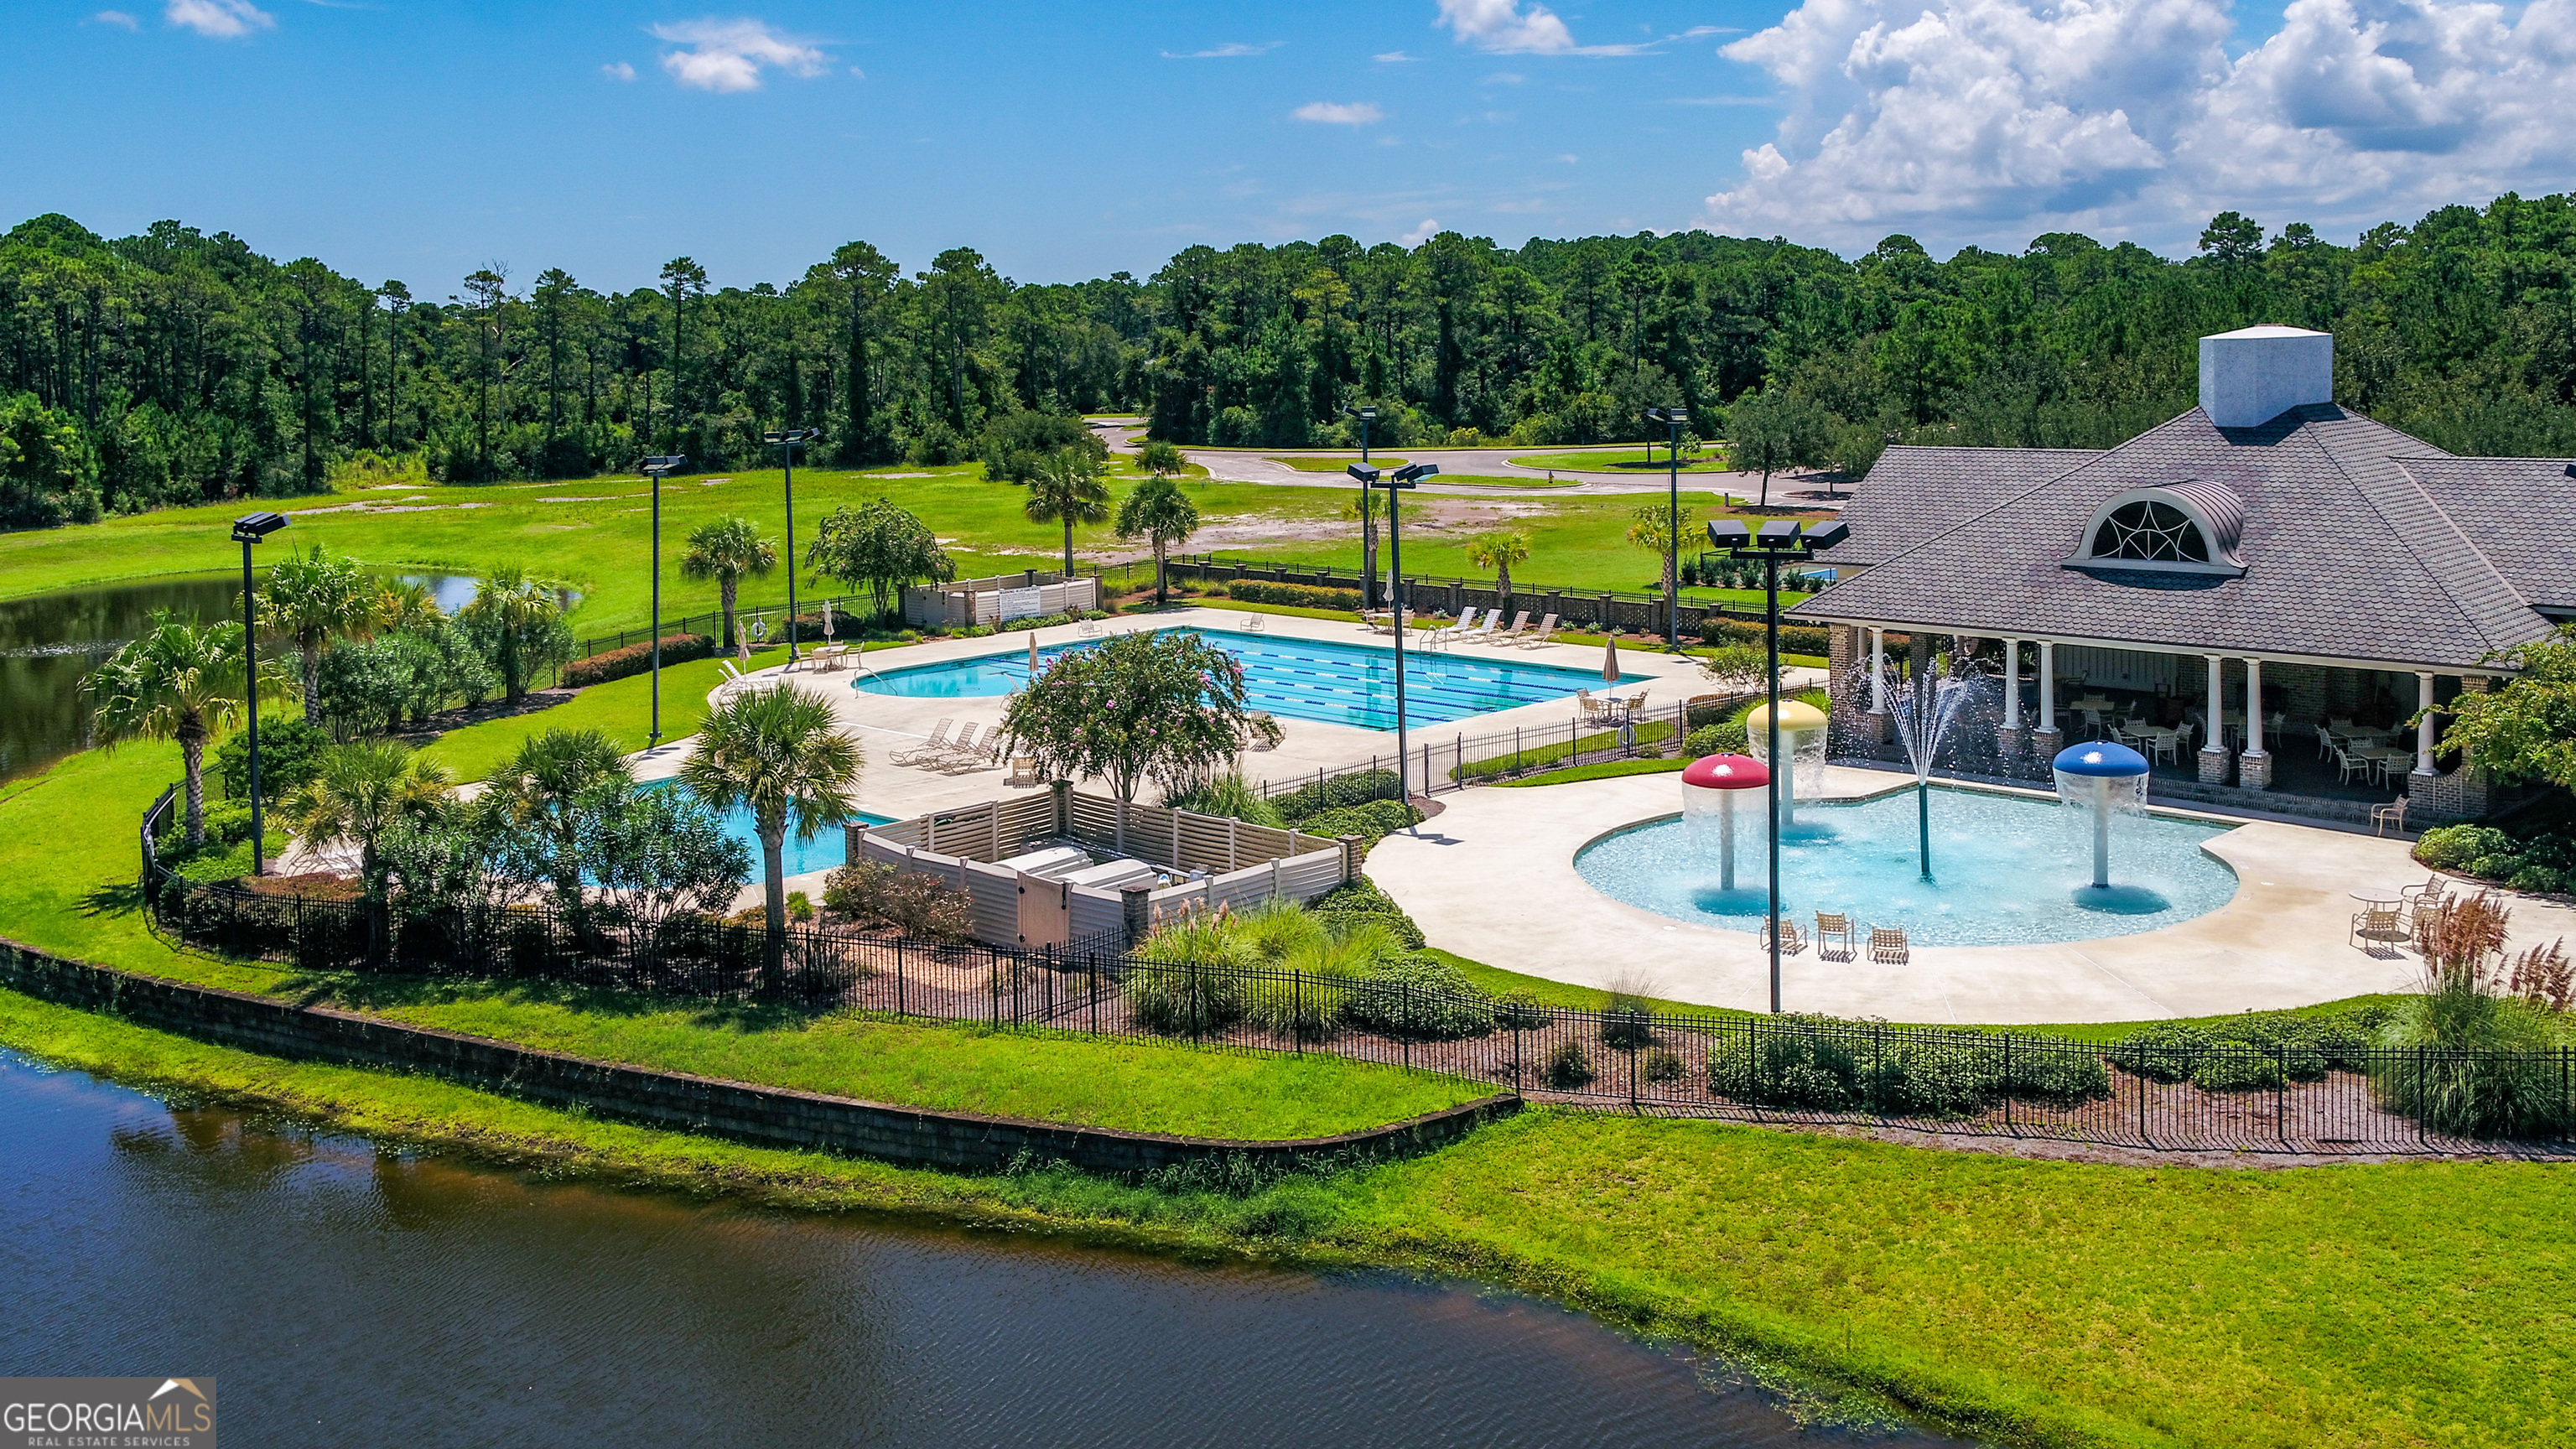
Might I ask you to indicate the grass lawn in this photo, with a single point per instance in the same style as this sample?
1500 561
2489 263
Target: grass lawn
1630 459
69 857
1606 770
622 707
1494 480
1335 462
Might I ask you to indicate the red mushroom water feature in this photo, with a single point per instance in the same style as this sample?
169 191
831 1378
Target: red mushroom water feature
1709 788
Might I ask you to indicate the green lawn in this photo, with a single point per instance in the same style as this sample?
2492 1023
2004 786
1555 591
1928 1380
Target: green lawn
1495 480
1334 462
1605 770
1630 459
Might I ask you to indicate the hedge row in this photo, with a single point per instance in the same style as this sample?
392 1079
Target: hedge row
1794 638
635 659
1295 596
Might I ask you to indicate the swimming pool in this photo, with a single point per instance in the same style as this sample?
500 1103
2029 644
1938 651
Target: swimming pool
1308 679
2006 871
825 851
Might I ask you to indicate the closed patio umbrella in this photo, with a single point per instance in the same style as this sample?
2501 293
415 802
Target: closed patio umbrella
827 618
1033 654
1610 662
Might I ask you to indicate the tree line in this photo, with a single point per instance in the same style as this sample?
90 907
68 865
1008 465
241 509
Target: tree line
177 367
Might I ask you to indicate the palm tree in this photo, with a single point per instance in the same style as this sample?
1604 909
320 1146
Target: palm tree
1653 532
313 600
541 791
179 680
727 551
1497 551
1157 509
523 620
1067 489
360 792
399 606
775 753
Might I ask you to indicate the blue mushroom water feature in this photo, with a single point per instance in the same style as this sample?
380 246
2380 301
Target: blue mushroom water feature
2102 779
1710 788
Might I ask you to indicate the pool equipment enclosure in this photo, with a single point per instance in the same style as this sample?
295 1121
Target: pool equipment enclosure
1029 594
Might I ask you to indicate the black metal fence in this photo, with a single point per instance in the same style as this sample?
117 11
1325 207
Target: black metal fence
2293 1097
1575 608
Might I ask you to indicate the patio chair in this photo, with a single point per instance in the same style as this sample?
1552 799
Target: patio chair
2351 767
1792 940
986 756
937 744
2430 893
1252 623
1088 628
1024 773
2392 813
1591 707
1545 634
1887 946
1520 621
2325 742
964 744
2377 926
1834 930
1260 714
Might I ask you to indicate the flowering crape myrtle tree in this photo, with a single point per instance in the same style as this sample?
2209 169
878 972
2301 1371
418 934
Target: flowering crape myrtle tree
1164 707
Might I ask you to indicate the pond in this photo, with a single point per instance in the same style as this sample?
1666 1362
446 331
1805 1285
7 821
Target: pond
346 1293
49 643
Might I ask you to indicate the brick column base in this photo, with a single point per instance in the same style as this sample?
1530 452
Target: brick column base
2213 767
2254 771
2044 745
2009 740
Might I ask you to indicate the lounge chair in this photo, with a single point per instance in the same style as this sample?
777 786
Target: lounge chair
2392 813
937 744
1887 946
1252 623
1469 630
1792 940
964 761
1024 773
731 674
1511 635
2377 926
1833 929
1260 714
961 746
1088 628
1545 635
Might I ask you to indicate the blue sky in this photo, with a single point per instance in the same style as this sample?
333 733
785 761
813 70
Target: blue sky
407 140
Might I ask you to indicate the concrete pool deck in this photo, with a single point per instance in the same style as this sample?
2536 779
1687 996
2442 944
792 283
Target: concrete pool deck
1492 878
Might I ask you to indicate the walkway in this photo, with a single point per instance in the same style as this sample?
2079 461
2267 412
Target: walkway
1492 878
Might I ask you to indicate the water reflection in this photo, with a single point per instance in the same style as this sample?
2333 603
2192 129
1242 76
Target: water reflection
350 1295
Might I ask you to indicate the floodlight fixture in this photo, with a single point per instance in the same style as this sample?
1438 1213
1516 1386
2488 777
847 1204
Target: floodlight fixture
1366 475
252 527
1410 472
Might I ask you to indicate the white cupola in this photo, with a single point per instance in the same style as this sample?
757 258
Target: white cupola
2252 375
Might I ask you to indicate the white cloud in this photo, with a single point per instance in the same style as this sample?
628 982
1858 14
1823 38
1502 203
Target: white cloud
1503 78
618 71
1503 26
221 19
1995 120
1231 50
1393 57
117 18
1421 234
1340 113
729 55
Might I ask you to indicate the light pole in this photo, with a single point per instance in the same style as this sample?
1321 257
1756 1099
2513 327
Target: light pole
1403 477
1673 418
786 440
248 530
655 467
1368 535
1780 539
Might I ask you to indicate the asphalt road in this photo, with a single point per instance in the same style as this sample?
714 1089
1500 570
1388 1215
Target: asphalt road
1235 465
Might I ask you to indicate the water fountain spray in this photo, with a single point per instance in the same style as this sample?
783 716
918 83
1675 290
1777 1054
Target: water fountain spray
2102 778
1924 707
1709 790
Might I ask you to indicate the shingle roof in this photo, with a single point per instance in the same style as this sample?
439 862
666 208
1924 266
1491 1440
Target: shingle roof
1935 489
2516 511
2350 553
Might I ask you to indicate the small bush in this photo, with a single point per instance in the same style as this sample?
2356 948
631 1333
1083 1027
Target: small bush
1660 1066
2452 847
1419 997
1519 1010
1724 738
1294 596
1370 822
913 902
1567 1068
1627 1023
1794 639
1360 899
1823 1064
622 663
800 907
1227 796
1335 792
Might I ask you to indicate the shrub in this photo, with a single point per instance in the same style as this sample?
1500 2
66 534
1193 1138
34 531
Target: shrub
1823 1064
854 891
2483 1063
290 753
1360 899
2451 847
913 902
1294 596
1718 739
1566 1068
2538 880
1660 1066
1371 821
1627 1023
1227 796
1334 792
1419 997
1519 1010
1186 980
1794 638
631 660
800 907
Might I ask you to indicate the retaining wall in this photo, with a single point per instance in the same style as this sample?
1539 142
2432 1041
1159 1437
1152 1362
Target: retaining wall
738 1111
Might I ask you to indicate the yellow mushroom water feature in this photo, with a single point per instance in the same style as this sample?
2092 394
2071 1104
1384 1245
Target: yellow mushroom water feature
1802 743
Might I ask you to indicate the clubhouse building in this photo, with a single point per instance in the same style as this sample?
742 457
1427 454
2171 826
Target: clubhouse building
2271 596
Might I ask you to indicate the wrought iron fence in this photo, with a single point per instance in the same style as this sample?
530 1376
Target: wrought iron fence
1442 765
2345 1098
1576 607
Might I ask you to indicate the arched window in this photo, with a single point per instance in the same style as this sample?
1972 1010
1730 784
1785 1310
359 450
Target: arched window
2187 527
2150 532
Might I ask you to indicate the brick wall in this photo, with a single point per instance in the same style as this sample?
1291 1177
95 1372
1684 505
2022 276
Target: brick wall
760 1116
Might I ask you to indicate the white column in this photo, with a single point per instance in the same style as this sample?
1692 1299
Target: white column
1878 671
2424 726
2012 684
2254 709
2217 737
2047 685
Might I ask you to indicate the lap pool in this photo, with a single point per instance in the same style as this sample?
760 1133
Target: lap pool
1308 679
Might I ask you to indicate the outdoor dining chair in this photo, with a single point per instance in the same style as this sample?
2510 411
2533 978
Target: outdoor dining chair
2392 813
1887 946
1792 940
1834 929
2377 926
